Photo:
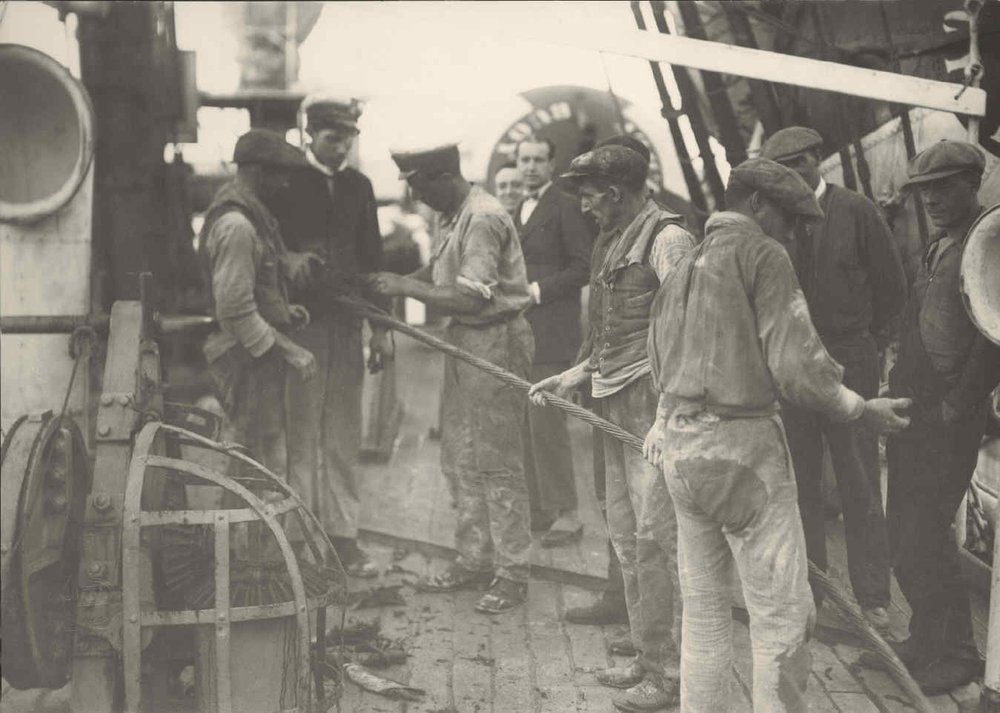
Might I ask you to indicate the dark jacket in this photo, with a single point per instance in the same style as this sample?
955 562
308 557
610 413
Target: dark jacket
343 229
942 356
556 242
850 269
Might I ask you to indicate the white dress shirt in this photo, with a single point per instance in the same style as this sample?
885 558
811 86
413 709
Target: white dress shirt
531 202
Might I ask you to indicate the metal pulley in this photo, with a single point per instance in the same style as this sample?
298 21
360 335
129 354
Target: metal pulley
45 480
981 273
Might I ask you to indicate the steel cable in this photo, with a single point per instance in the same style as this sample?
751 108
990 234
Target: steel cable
844 603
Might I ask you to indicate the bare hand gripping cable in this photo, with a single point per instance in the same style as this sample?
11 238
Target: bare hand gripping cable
841 600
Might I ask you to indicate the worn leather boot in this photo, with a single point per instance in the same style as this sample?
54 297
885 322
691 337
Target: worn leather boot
609 609
621 676
947 673
648 696
907 651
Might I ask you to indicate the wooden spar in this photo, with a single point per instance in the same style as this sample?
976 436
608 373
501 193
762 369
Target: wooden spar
785 69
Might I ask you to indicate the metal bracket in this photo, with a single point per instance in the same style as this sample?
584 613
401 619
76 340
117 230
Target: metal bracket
117 418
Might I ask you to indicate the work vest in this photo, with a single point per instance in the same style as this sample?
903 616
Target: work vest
270 292
620 301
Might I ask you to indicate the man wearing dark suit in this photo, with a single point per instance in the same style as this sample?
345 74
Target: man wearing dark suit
556 240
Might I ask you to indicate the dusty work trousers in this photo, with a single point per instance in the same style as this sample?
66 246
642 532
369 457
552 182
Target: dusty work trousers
643 530
736 500
324 423
615 583
930 467
548 459
481 448
251 393
854 452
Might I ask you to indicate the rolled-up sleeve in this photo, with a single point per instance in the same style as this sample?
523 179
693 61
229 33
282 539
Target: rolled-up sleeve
483 242
231 253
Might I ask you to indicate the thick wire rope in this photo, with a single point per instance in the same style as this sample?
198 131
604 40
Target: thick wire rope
841 600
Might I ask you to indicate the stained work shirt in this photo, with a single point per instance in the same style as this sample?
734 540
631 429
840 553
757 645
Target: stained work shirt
653 242
731 331
479 252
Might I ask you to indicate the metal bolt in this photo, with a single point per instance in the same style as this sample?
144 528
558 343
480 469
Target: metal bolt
123 400
57 503
106 400
97 570
102 502
103 430
133 619
222 616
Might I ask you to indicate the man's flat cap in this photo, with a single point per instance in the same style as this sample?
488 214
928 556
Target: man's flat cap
614 162
790 142
629 142
431 161
943 159
779 184
324 112
267 148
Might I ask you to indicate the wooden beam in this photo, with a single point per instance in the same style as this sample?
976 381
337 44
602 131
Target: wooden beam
786 69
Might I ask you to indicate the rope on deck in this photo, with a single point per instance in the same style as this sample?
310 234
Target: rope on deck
844 603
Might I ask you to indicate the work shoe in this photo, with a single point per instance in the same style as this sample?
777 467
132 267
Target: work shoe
648 696
907 651
621 646
355 561
621 676
878 618
947 673
564 531
504 595
454 578
609 609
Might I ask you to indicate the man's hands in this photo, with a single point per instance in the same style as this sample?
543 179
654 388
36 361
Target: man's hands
561 385
379 350
388 284
652 447
299 358
883 415
298 267
300 316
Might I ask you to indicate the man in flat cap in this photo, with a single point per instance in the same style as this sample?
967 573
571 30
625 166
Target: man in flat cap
332 214
731 335
477 276
949 369
638 245
242 250
556 239
852 277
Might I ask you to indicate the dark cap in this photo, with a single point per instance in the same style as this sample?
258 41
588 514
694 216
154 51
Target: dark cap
267 148
779 184
613 162
790 142
629 142
943 159
327 113
431 162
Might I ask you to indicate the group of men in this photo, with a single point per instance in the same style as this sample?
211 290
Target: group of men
734 357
